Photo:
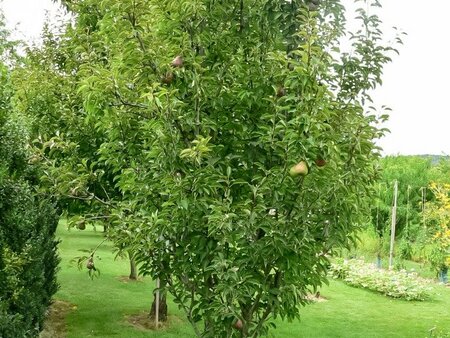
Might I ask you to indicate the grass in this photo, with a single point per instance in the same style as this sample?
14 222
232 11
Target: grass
351 312
99 307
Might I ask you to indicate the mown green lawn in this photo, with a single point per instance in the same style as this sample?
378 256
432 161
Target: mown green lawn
100 306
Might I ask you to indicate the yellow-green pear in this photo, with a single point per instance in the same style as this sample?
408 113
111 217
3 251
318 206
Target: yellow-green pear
177 62
301 168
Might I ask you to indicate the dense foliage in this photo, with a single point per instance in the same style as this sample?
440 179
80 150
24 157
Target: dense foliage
227 143
417 177
438 215
28 258
412 174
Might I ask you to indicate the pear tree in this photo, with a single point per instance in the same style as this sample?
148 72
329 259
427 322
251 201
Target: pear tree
240 137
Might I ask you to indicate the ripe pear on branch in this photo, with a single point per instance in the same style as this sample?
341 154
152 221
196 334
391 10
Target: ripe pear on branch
320 162
90 264
177 62
238 325
301 168
167 78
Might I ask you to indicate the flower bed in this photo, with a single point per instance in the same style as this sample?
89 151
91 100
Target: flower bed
396 284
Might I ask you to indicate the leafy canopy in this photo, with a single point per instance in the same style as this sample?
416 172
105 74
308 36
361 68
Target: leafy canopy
201 108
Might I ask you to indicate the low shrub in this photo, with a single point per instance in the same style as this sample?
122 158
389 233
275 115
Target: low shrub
396 284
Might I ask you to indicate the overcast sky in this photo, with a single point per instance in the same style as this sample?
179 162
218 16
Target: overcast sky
416 83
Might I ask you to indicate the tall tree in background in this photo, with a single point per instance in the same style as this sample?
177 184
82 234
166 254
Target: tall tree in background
236 135
47 93
412 174
438 226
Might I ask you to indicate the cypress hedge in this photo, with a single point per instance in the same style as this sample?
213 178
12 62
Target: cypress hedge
28 249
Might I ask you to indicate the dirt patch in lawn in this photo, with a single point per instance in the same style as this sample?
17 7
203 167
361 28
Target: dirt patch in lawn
55 323
126 279
316 298
142 321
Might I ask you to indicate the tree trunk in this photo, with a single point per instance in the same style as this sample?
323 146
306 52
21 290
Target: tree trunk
133 267
162 307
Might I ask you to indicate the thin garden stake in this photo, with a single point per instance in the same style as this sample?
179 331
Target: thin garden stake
407 212
394 220
423 205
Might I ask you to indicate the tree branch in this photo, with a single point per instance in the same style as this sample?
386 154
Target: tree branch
184 307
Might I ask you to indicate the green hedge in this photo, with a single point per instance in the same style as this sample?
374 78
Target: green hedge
28 256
